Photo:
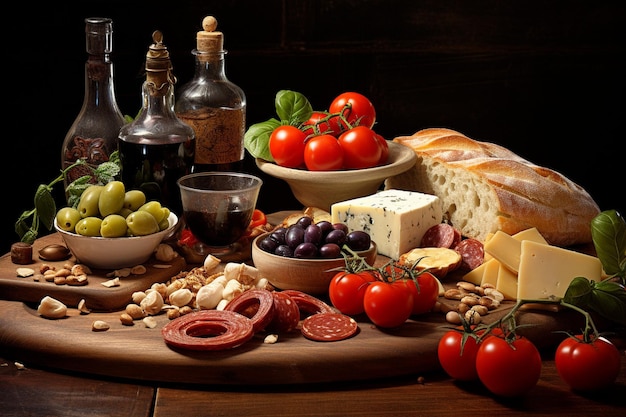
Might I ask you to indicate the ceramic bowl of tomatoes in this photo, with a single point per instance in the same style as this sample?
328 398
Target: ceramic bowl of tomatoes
310 275
323 188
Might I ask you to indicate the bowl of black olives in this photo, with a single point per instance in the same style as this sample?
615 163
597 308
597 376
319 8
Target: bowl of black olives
306 255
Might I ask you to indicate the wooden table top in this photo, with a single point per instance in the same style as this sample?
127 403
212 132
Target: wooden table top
38 392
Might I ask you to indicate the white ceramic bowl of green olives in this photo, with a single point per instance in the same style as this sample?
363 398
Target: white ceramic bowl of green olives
115 252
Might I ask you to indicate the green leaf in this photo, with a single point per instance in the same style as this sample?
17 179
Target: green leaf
45 206
292 107
579 292
608 231
106 172
609 300
257 138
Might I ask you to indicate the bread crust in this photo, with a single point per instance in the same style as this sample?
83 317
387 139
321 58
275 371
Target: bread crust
485 187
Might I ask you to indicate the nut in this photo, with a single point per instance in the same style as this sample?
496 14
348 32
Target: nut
126 319
135 311
100 326
153 303
51 308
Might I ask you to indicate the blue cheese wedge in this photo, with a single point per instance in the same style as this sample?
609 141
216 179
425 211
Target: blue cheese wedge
395 219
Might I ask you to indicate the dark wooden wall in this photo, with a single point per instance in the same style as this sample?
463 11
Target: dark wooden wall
543 78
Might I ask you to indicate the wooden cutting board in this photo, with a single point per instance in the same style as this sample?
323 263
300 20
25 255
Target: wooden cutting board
97 296
138 352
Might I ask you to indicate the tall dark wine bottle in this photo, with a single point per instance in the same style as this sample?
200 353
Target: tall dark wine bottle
157 148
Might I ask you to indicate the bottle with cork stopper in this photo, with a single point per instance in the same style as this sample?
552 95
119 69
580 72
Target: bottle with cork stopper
93 135
213 106
157 148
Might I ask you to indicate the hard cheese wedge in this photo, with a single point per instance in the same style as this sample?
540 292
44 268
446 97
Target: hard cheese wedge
546 271
395 219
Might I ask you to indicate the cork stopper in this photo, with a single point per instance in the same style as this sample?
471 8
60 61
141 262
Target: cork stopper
158 63
208 39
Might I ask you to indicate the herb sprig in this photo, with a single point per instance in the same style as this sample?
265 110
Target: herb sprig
45 209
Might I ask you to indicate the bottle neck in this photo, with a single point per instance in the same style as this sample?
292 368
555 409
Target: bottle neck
99 85
158 98
210 64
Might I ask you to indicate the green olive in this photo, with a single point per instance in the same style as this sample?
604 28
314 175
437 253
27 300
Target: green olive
124 212
165 223
141 223
67 217
113 225
88 204
154 208
111 198
134 199
89 226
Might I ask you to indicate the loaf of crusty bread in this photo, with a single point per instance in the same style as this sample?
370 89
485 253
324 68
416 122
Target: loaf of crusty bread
485 187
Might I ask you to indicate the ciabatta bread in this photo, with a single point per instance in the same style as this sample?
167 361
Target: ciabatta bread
485 187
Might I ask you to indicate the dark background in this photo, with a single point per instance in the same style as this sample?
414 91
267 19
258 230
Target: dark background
543 78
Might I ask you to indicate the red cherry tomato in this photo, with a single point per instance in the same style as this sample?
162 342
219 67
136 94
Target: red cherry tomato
587 366
508 368
388 304
425 293
457 356
355 107
384 149
323 153
287 146
316 125
361 148
347 290
258 219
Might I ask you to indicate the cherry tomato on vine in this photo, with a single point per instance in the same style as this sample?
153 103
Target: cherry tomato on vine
458 357
388 304
355 107
329 127
347 290
508 368
424 297
587 366
384 148
361 148
287 146
323 153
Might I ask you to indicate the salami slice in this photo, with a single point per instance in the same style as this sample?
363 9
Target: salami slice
286 313
472 253
438 236
208 330
257 305
309 304
329 327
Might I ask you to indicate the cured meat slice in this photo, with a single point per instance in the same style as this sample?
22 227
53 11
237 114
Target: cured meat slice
309 304
286 313
329 327
208 330
441 235
472 253
257 305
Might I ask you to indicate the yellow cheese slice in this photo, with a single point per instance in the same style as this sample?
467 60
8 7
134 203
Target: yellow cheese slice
490 275
507 283
530 234
504 248
546 271
475 276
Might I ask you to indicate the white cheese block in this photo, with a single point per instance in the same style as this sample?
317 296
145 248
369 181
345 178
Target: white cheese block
395 219
546 271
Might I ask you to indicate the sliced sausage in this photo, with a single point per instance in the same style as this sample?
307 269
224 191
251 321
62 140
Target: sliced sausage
472 253
257 305
309 304
329 327
286 313
441 235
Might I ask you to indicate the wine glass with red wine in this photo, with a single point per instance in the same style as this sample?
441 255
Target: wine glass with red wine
218 207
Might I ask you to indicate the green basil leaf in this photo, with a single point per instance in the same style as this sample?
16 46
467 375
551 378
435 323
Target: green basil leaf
257 137
579 292
292 107
609 300
608 231
45 206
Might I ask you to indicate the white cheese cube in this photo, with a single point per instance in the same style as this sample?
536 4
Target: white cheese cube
546 271
395 219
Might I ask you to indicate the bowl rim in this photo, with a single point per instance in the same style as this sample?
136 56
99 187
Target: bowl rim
172 219
255 248
401 158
